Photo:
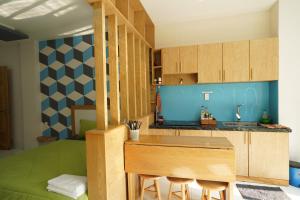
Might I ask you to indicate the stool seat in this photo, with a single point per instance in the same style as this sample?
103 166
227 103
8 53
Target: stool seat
180 180
149 177
209 186
212 185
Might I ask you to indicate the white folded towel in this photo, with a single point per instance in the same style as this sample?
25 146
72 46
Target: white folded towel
68 185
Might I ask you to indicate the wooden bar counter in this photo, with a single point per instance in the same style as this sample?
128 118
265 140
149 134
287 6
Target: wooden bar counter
204 158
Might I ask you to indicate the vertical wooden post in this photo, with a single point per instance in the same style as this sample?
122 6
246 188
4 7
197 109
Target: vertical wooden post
131 76
148 90
138 77
113 69
143 79
123 72
100 65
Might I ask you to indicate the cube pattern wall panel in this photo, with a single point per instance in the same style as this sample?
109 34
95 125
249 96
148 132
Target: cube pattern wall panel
66 78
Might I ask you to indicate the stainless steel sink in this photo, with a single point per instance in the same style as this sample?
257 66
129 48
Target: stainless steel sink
240 124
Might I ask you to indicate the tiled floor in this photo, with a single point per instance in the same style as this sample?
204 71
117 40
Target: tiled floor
195 190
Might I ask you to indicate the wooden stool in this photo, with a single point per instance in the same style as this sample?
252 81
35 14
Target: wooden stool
152 188
210 186
185 194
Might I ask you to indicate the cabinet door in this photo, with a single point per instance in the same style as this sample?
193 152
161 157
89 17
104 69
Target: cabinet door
236 61
5 134
195 133
171 132
269 155
210 63
240 143
264 59
170 60
188 60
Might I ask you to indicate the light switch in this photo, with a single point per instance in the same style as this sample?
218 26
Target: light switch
206 96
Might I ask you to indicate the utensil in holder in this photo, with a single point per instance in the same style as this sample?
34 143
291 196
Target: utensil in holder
134 134
134 129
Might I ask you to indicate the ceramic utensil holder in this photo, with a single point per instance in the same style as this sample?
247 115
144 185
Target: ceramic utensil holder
135 134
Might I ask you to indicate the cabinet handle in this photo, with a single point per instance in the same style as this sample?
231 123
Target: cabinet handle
249 137
245 138
251 73
176 66
220 75
180 67
224 75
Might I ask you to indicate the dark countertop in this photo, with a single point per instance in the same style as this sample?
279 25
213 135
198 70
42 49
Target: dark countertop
194 125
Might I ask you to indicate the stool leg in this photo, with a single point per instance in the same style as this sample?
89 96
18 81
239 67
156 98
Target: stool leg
208 195
188 196
183 191
156 183
222 195
203 194
170 191
142 188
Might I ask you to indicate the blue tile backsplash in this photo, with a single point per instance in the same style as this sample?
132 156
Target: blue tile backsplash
184 102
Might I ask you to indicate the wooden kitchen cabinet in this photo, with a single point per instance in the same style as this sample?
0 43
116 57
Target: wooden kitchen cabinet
210 63
171 132
264 59
180 60
269 155
170 60
188 60
205 133
5 126
240 142
236 61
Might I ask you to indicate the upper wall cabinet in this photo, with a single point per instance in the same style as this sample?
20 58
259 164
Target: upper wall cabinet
170 60
180 60
236 61
264 59
210 63
188 60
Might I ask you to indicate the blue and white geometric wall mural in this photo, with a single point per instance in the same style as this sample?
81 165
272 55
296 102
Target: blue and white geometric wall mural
67 78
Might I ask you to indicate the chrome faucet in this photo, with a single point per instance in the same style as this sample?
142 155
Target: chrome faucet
238 113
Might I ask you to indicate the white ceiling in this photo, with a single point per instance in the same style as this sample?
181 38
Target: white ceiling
173 11
46 19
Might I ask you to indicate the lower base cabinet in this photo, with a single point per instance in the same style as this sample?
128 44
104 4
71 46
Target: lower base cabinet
269 155
240 143
260 154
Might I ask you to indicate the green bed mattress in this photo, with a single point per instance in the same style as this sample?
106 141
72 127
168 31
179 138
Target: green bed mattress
24 176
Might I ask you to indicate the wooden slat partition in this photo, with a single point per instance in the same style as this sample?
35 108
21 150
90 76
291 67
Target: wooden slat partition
138 76
132 77
105 150
112 9
100 65
105 161
114 69
124 72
